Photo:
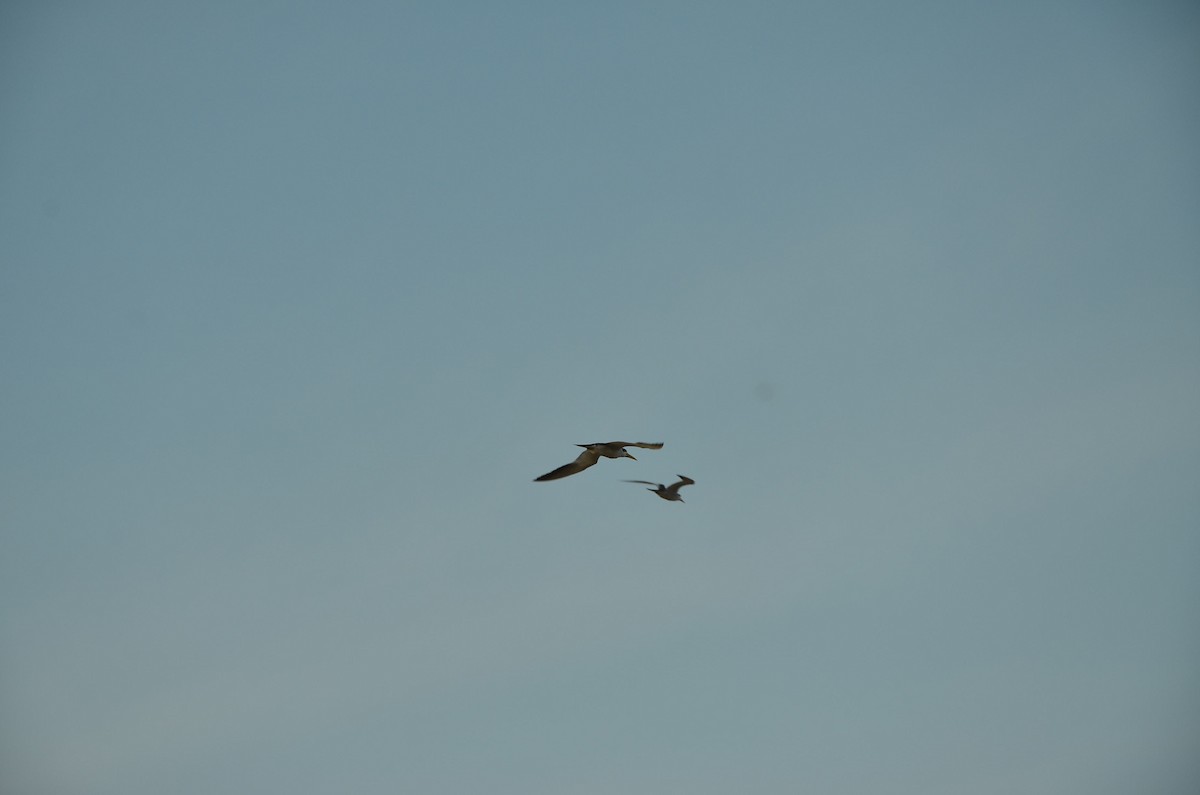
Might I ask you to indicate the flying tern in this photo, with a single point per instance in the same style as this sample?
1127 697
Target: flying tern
667 492
593 452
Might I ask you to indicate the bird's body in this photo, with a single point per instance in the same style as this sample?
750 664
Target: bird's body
671 492
593 453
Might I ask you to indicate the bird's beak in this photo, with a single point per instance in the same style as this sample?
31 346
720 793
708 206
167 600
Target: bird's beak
630 455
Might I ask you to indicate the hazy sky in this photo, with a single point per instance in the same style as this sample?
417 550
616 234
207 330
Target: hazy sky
296 299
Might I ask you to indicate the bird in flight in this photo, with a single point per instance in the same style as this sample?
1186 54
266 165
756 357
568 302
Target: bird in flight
592 453
667 492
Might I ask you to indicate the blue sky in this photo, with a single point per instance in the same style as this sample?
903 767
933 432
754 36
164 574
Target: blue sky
297 299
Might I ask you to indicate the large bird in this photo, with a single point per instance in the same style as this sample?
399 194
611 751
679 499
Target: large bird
667 492
592 453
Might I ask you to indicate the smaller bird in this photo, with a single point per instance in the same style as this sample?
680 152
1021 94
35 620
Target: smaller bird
591 454
667 492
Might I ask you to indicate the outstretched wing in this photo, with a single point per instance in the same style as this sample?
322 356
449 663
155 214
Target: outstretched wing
585 460
646 445
647 482
684 481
